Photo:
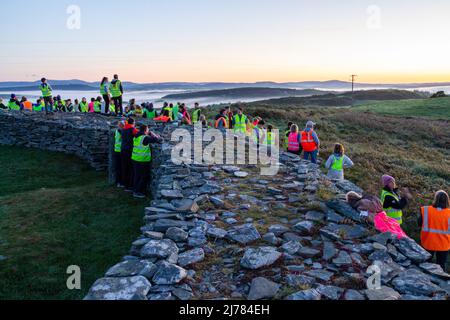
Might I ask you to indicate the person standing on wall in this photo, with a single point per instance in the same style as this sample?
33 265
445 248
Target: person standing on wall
142 157
435 224
128 134
104 91
116 90
46 91
310 142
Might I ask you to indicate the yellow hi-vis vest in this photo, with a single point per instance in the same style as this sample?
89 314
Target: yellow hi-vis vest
391 212
141 153
240 123
118 142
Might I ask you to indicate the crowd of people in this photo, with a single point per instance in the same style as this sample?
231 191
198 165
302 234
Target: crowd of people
133 155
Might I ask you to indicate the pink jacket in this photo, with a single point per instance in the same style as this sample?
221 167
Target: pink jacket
91 107
384 224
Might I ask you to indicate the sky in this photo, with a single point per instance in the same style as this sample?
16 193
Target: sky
384 41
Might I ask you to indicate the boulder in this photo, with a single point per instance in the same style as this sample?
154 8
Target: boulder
412 250
244 234
161 249
216 233
168 274
262 288
176 234
260 257
129 288
191 257
415 282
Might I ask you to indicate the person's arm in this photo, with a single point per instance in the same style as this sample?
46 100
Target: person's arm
316 139
152 138
420 221
390 202
348 163
329 162
121 88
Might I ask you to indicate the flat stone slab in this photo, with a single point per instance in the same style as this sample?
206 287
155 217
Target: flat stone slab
385 293
168 274
130 268
260 257
131 288
244 234
191 257
262 288
160 249
171 194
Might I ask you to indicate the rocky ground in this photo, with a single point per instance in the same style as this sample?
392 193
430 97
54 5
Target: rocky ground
225 232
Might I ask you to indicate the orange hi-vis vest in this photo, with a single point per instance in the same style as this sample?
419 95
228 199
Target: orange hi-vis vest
216 125
436 229
308 143
293 143
27 105
162 118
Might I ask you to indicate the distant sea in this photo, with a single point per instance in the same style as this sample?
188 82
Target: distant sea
156 96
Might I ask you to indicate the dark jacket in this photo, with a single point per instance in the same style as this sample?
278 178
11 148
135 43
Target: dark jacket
391 202
128 133
2 106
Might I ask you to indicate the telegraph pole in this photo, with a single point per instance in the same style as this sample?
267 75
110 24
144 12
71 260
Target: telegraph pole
353 82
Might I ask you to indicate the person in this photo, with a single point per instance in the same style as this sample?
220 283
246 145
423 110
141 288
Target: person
150 112
76 105
112 107
116 90
240 122
128 133
230 116
270 136
128 111
164 117
310 142
60 104
259 134
435 224
252 124
204 122
2 106
287 132
222 121
26 105
393 203
176 110
196 113
185 116
337 162
138 112
91 106
371 211
117 158
142 157
46 91
294 141
84 105
104 91
13 103
39 106
98 105
69 106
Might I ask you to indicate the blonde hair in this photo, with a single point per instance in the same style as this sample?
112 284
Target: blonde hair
294 128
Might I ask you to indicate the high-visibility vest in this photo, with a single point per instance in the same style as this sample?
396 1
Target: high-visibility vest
196 116
46 90
286 139
270 139
141 153
162 119
117 142
338 163
28 105
150 114
240 123
114 88
12 105
104 89
435 234
97 106
216 125
308 143
138 112
293 143
391 212
38 107
112 107
170 112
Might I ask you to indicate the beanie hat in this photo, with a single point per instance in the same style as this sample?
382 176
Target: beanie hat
386 179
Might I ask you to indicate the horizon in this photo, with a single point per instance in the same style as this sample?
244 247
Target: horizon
234 41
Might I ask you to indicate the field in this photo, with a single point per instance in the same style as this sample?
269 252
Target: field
438 108
55 211
415 150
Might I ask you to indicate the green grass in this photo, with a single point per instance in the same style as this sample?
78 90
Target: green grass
438 108
55 211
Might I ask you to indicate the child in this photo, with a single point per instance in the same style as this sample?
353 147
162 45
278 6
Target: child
337 162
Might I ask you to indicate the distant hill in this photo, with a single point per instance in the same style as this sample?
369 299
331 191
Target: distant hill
345 99
244 93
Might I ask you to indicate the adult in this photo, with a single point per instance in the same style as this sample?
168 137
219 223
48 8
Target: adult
222 121
393 202
240 122
294 141
104 91
164 117
118 154
196 113
310 142
142 157
337 162
13 103
116 90
434 221
128 134
46 91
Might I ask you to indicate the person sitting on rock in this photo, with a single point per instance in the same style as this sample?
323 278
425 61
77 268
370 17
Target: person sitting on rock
372 211
393 202
164 117
435 224
2 106
337 162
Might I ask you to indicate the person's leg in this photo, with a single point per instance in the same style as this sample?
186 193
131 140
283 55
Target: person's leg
116 105
314 156
106 99
441 259
306 155
136 176
127 169
120 105
118 168
145 178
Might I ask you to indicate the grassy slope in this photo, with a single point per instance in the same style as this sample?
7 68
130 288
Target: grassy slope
54 212
438 108
416 151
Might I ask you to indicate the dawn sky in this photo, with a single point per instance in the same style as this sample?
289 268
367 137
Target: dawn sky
232 40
